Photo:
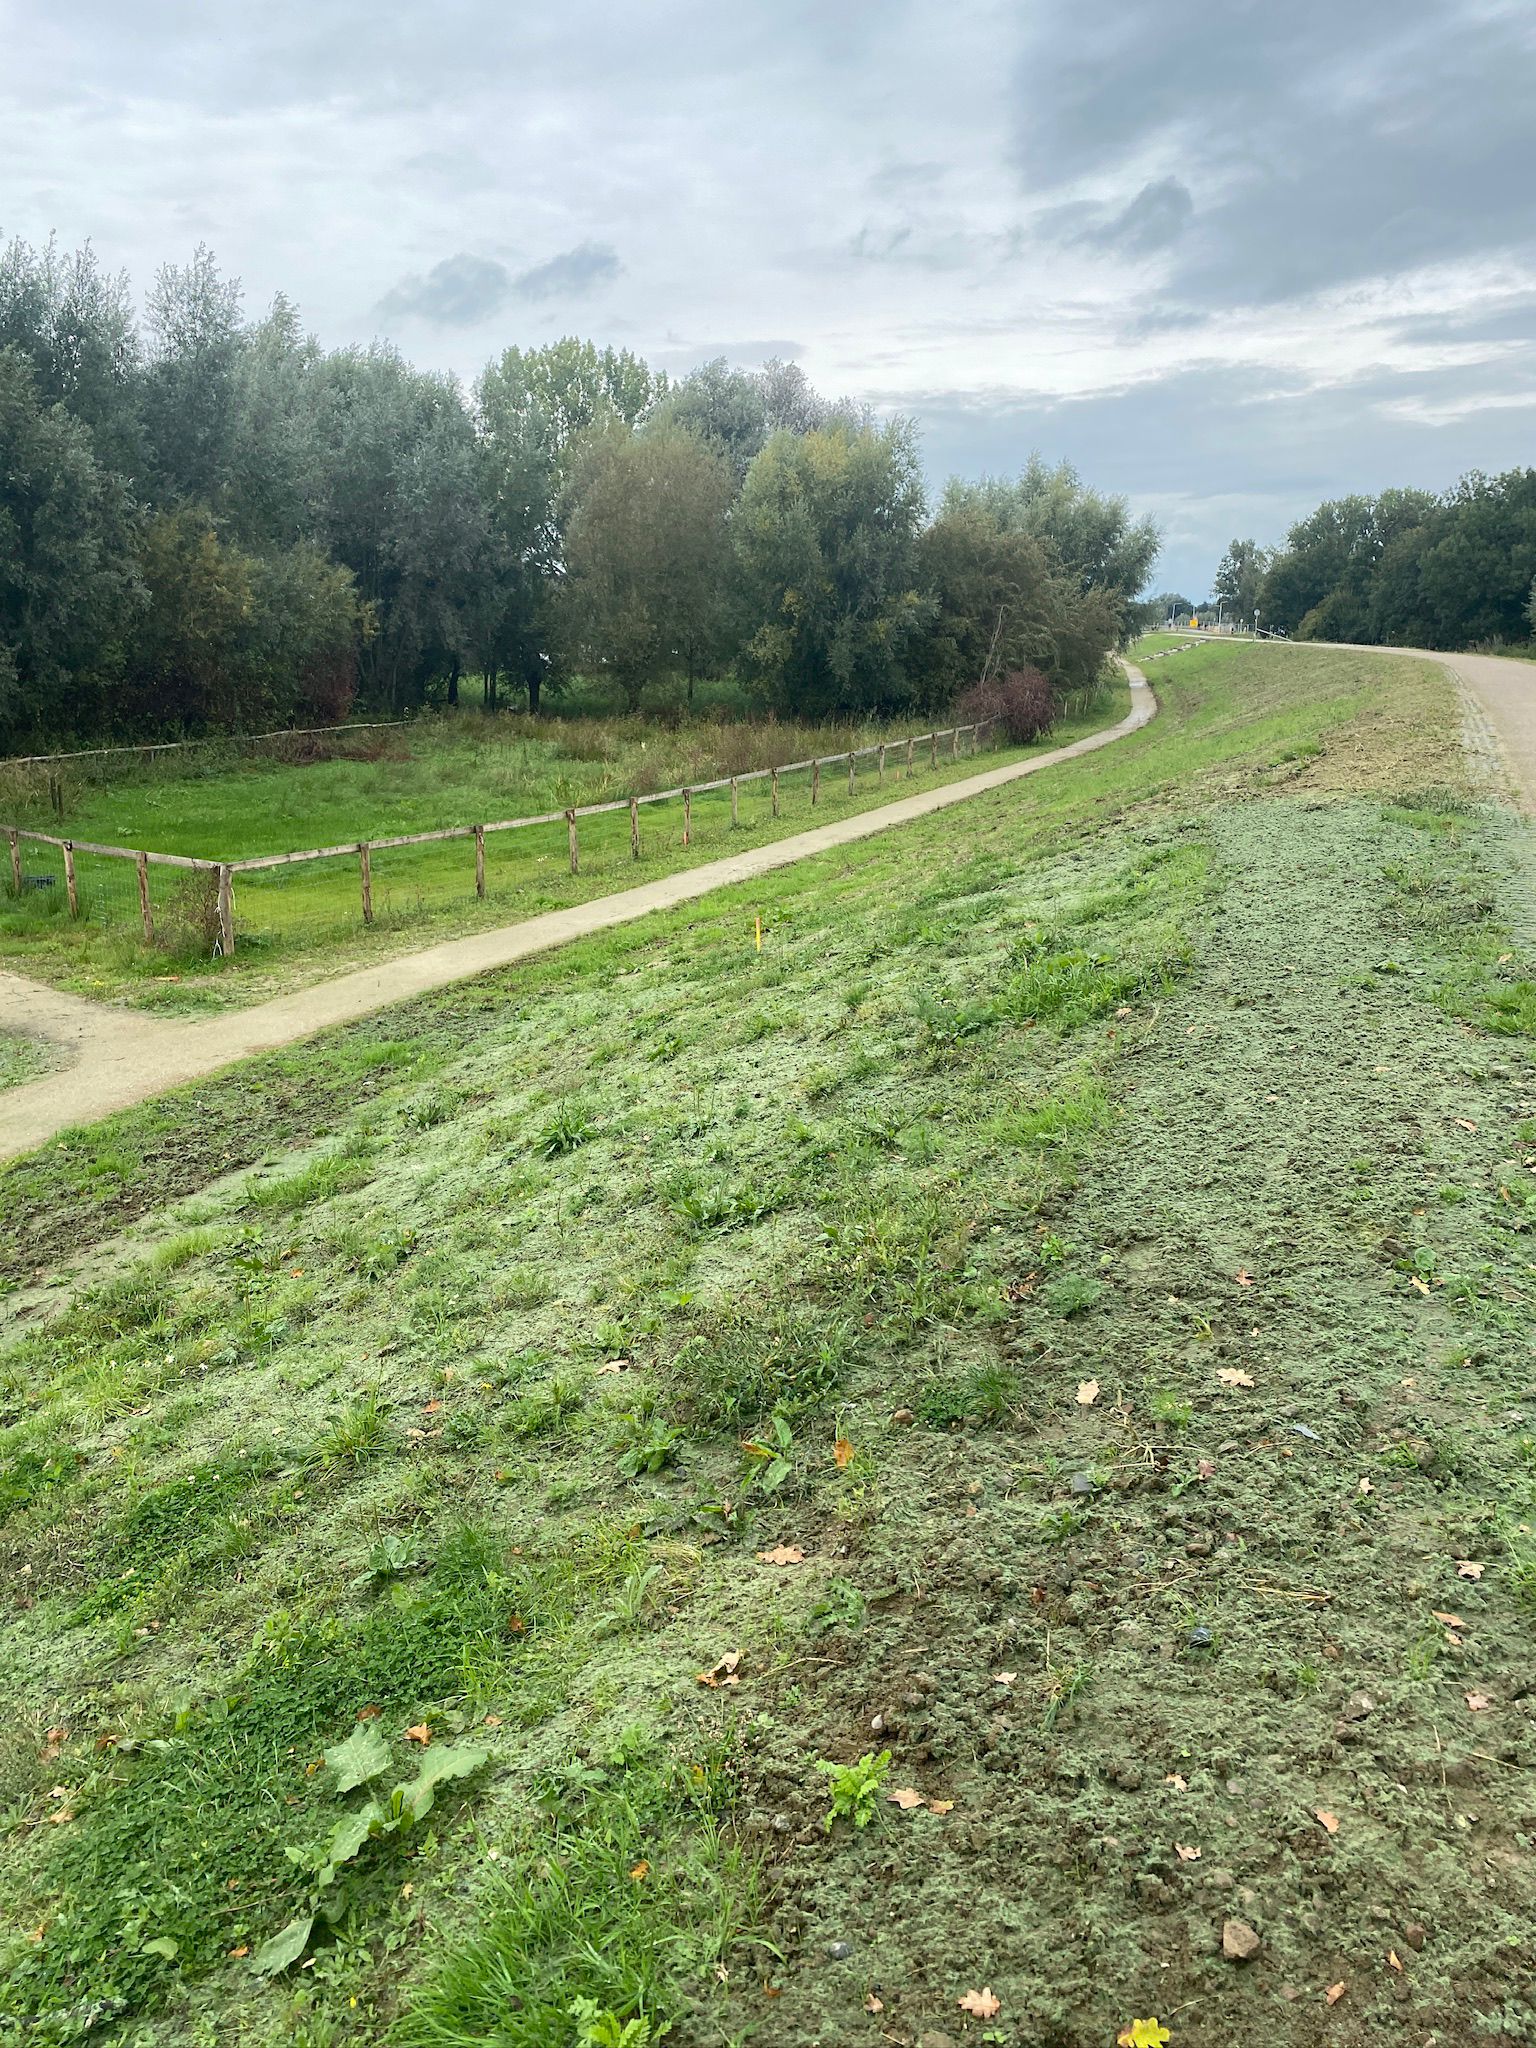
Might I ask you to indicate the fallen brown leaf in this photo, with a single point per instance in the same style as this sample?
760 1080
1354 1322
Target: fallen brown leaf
1243 1277
1365 1486
491 1721
1477 1701
242 1950
723 1672
1329 1820
1465 1123
842 1451
941 1806
420 1733
1004 1677
1421 1284
1450 1620
1231 1377
1179 1784
641 1870
1394 1960
1087 1393
873 2004
782 1553
981 2005
1468 1570
1187 1853
1206 1468
906 1797
1334 1993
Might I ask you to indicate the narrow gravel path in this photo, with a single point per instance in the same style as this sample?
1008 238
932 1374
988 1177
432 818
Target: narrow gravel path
121 1057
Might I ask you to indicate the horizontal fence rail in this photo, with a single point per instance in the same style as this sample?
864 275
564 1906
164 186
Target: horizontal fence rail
363 850
218 739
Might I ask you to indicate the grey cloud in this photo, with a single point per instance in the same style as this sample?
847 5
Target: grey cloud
461 291
1327 144
740 355
1156 217
570 274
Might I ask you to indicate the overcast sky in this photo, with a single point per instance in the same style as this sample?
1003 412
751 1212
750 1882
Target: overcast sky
1228 258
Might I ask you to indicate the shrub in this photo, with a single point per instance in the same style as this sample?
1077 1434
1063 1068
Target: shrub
1020 701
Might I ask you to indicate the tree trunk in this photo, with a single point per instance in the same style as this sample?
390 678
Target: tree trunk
534 685
453 682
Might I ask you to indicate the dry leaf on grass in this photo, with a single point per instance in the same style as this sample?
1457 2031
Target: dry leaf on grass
723 1672
1206 1468
1329 1820
782 1553
1231 1377
1394 1960
1334 1993
981 2005
1418 1281
874 2004
1450 1620
906 1797
1243 1277
641 1871
941 1806
1187 1853
1465 1123
1468 1570
1004 1677
1087 1393
1179 1784
842 1451
1365 1486
1477 1701
420 1733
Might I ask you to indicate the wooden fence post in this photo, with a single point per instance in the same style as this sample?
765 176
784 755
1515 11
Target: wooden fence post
687 817
954 743
226 911
634 828
882 760
909 756
815 781
365 869
933 750
480 862
735 811
850 772
570 828
145 911
69 878
15 861
773 784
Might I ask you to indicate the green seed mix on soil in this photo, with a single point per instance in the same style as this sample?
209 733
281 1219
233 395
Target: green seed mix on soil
1098 1243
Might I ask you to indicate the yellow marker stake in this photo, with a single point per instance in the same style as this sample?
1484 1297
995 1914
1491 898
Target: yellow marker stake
757 924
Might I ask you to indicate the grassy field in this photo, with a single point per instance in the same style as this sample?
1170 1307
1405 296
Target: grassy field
296 923
980 1453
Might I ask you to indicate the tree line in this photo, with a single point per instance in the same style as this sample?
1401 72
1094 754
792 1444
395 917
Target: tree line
1407 568
209 522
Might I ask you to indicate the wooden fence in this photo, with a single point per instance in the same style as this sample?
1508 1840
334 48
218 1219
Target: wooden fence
363 850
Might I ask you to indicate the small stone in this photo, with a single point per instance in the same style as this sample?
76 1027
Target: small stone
1199 1546
839 1951
1357 1706
1199 1638
904 1416
1127 1777
1220 1879
1082 1483
1413 1935
1239 1942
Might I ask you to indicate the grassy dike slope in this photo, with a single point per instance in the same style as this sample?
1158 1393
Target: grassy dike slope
1203 1062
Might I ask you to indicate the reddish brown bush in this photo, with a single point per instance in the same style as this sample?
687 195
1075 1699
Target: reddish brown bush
1021 701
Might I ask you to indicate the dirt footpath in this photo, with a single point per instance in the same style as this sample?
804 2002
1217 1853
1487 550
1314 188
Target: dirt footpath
120 1057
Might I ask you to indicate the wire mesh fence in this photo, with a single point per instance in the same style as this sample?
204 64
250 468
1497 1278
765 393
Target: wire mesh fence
494 872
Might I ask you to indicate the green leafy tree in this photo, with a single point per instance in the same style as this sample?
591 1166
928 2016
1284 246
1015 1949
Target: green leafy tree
826 534
76 326
999 602
646 555
725 408
1091 536
1240 579
189 390
69 585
